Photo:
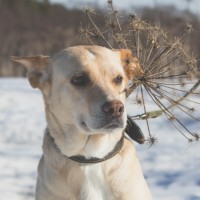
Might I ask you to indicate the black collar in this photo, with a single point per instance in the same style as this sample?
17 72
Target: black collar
92 160
82 159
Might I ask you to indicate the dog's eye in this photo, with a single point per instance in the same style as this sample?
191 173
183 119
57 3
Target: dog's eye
118 80
80 80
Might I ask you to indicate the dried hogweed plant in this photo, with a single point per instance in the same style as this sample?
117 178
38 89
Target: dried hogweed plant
169 77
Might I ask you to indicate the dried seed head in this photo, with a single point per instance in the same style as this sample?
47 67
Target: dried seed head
155 44
95 35
163 58
191 110
132 16
151 141
120 38
196 136
110 2
85 32
157 85
137 24
192 62
182 84
139 101
115 12
189 28
190 140
111 24
89 11
172 118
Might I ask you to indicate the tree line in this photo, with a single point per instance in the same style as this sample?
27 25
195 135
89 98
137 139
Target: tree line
34 27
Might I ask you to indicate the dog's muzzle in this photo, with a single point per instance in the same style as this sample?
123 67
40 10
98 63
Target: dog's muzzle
110 118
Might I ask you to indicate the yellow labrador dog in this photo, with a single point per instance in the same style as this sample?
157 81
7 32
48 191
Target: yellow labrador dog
85 154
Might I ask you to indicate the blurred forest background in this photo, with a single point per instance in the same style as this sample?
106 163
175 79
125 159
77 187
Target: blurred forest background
34 27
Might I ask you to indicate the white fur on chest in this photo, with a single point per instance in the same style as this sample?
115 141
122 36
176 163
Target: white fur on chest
95 185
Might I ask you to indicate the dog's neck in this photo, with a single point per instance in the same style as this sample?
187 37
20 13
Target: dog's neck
89 146
92 160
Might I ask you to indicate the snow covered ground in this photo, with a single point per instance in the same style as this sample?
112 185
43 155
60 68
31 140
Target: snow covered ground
172 167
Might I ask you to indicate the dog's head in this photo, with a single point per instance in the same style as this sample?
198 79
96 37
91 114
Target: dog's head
84 86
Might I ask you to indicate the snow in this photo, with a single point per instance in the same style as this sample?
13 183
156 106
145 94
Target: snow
172 167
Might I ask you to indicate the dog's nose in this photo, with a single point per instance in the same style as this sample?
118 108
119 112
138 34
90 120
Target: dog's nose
113 108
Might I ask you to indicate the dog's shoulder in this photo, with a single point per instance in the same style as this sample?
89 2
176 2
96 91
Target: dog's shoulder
125 168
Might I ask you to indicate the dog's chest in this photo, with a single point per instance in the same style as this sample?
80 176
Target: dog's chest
95 185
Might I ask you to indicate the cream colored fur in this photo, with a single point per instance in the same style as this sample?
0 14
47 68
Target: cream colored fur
78 126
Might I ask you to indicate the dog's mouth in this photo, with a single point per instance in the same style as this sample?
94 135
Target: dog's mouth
104 126
85 127
111 127
118 123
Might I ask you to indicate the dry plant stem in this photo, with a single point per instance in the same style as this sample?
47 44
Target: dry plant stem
90 41
131 89
154 76
134 40
98 31
165 53
114 32
144 106
170 51
166 65
180 76
115 16
175 103
157 113
188 93
179 90
138 44
137 93
170 93
162 83
162 66
150 52
153 47
155 58
117 22
165 111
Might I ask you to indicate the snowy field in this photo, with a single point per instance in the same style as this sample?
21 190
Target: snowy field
172 167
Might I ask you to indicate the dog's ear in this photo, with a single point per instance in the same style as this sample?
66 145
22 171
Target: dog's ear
130 64
37 67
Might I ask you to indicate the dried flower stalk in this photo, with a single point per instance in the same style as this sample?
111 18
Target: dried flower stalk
170 75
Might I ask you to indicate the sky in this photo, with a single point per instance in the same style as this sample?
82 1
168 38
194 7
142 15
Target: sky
194 5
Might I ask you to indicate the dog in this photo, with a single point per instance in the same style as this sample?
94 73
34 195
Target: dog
85 154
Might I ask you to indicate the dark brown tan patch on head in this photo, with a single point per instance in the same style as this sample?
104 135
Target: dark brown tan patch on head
131 64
